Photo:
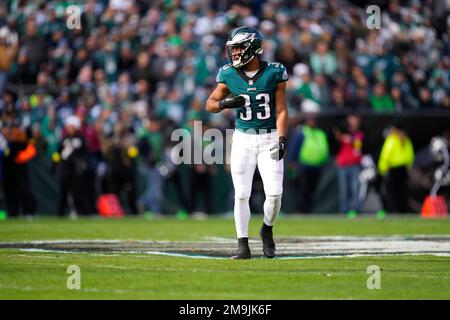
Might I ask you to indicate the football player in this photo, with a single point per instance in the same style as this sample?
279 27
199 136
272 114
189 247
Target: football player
256 90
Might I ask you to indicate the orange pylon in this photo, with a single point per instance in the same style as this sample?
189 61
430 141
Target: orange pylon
434 206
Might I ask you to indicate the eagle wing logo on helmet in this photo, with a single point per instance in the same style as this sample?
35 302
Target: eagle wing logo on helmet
243 45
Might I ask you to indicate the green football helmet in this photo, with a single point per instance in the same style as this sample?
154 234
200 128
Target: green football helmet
249 40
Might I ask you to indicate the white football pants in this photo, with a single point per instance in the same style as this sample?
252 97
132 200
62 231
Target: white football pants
247 152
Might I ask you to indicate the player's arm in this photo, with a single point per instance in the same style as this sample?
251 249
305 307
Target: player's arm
219 93
278 151
281 109
219 99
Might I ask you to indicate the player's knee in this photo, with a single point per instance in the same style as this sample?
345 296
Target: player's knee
241 198
274 200
242 193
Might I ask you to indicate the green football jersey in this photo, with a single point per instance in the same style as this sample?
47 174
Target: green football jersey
259 111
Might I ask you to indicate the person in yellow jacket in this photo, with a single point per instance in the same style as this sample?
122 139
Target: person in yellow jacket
308 153
397 156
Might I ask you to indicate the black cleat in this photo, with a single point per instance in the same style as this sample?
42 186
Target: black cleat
266 234
243 251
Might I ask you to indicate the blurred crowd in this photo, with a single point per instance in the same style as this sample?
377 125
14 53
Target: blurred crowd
100 98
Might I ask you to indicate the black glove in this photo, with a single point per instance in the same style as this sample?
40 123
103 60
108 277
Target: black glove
277 152
232 102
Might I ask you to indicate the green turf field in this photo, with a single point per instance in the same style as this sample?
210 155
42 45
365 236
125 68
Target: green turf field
108 275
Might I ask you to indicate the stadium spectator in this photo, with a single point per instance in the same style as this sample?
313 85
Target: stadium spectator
172 172
425 99
344 57
287 55
379 100
50 131
338 99
200 174
396 157
74 170
94 155
143 71
322 60
33 53
16 180
151 150
348 162
307 154
307 90
120 156
398 99
323 90
8 50
360 101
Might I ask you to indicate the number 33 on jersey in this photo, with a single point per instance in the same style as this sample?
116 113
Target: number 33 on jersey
258 91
